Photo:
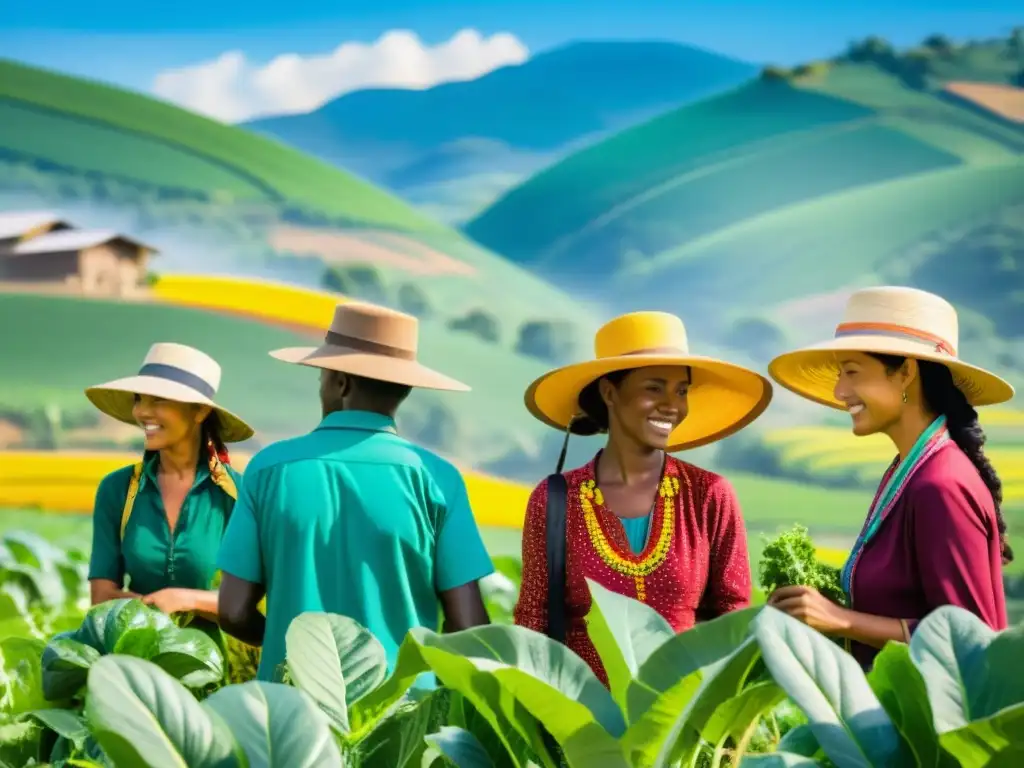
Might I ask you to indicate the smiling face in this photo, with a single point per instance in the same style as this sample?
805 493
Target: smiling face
168 423
873 394
648 404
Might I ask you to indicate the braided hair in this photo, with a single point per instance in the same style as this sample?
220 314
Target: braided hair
942 396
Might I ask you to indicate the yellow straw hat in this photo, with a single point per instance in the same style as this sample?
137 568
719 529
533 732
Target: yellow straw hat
723 398
888 320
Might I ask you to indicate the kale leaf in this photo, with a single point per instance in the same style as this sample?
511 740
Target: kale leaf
790 560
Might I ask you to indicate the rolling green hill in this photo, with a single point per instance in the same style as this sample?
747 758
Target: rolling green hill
100 130
253 204
802 182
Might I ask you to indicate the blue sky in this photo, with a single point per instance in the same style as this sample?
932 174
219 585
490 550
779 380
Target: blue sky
130 42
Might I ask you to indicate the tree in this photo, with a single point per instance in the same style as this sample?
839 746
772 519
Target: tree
412 299
552 341
359 280
479 323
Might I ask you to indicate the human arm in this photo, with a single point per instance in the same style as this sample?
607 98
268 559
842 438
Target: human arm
531 609
728 585
241 562
460 556
106 561
174 600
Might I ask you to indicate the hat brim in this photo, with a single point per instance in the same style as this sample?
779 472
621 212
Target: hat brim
117 398
723 397
811 371
344 360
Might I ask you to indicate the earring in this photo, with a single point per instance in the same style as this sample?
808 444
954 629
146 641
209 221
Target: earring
904 396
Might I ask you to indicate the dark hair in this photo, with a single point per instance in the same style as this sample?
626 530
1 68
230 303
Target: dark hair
386 393
210 438
942 396
595 413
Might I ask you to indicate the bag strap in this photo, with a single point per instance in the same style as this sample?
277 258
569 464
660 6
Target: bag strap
556 514
129 501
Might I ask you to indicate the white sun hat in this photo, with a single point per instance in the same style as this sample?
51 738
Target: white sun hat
173 372
889 320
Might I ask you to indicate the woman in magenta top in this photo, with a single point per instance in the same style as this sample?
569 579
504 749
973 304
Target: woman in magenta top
934 534
637 520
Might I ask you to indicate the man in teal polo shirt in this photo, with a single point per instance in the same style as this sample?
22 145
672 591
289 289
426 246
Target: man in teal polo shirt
352 518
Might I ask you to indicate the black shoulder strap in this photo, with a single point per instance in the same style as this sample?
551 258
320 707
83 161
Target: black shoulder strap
556 513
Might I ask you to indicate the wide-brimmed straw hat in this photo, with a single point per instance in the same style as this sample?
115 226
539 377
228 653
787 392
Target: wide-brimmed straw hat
375 343
723 397
904 322
173 372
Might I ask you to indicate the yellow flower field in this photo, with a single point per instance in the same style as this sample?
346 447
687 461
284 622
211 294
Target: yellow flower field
66 482
264 299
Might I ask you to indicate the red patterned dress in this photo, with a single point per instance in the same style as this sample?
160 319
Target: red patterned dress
695 565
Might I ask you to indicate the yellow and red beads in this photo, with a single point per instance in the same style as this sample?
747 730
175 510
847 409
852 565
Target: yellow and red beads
637 569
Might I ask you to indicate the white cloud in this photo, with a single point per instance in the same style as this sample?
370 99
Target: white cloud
232 89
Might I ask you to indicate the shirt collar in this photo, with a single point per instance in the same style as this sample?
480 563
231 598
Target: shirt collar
364 420
151 463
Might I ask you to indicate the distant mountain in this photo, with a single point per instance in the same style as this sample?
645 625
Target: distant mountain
510 122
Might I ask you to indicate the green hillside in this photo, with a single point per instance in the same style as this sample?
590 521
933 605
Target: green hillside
97 129
849 161
66 344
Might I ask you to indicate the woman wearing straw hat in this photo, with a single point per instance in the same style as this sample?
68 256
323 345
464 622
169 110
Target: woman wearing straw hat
934 534
157 525
636 520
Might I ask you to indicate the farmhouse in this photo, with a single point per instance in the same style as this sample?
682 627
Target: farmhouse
43 249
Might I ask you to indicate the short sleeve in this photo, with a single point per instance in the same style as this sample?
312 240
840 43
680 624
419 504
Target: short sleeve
460 554
240 553
953 547
106 560
729 578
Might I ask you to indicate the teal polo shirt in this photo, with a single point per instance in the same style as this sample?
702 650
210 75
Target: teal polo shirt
352 519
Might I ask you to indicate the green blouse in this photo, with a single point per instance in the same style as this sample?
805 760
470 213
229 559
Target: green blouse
637 529
150 558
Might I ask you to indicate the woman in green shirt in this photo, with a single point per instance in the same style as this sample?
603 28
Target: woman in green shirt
157 525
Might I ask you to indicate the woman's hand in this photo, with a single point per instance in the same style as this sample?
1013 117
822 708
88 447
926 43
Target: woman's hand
172 600
808 605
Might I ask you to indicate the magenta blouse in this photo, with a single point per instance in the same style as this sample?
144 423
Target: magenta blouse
939 546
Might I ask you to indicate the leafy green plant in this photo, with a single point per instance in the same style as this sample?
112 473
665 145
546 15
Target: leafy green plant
127 627
43 589
790 560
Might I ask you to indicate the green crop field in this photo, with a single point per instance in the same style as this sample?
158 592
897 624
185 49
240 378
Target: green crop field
93 127
65 344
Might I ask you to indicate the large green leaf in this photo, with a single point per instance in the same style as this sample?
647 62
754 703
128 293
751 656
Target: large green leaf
994 741
276 725
780 760
519 679
21 677
190 655
65 666
901 690
830 687
399 740
337 662
705 644
970 672
461 747
625 633
735 718
140 715
672 727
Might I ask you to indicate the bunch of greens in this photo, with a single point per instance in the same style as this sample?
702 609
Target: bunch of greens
790 560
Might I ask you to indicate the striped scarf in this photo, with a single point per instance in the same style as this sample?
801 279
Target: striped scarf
894 481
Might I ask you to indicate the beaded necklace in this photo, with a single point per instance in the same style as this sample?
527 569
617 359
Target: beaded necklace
638 567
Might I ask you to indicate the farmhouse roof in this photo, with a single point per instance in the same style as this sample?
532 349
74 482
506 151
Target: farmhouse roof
73 240
17 223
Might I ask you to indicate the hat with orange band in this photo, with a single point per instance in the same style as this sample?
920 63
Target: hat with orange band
888 320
